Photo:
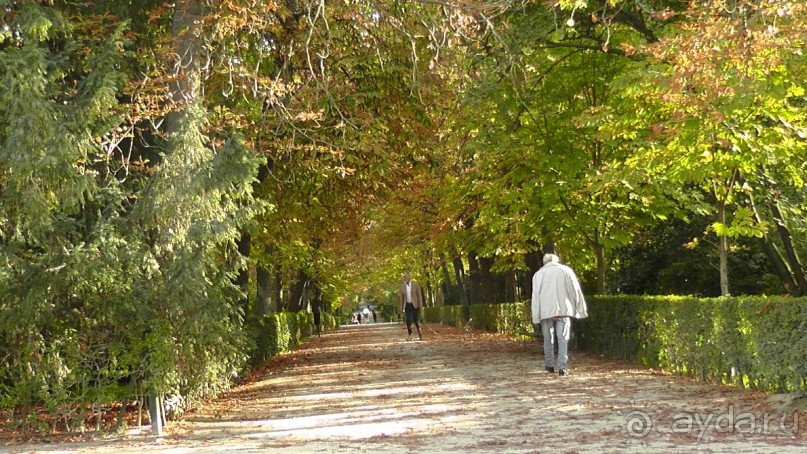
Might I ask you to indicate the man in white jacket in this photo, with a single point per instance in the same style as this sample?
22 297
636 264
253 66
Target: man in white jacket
556 298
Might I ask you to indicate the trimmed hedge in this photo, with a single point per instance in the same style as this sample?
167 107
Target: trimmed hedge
756 342
447 315
512 319
278 332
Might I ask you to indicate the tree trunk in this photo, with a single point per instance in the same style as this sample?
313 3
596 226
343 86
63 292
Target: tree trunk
263 301
316 309
796 270
459 274
487 283
187 69
430 291
599 253
519 283
724 267
790 250
780 267
263 276
446 279
509 286
774 255
723 251
429 301
474 280
533 261
298 292
242 280
276 289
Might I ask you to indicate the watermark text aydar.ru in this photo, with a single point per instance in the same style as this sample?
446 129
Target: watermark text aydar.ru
639 424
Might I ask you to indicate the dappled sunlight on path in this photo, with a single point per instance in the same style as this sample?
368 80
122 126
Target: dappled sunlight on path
367 389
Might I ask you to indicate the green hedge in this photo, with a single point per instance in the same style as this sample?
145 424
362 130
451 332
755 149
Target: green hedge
279 332
756 342
512 319
447 315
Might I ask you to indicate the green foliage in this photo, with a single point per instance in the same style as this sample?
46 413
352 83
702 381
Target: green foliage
483 316
68 269
515 319
661 262
449 315
279 332
512 318
109 282
754 342
749 341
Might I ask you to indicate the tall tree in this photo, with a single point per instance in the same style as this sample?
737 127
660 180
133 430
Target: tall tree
721 106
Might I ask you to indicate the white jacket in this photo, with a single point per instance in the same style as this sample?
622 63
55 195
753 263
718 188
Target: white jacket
556 292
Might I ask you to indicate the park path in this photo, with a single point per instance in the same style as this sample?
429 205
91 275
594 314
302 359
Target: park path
367 389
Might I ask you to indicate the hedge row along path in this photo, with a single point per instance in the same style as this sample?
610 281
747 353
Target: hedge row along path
367 389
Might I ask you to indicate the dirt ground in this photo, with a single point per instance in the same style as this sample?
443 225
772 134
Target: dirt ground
367 389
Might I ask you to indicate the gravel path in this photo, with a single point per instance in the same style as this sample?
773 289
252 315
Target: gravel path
367 389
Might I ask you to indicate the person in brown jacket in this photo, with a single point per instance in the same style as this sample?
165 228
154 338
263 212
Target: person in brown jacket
411 300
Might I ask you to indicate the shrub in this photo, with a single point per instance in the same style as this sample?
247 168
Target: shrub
755 342
278 332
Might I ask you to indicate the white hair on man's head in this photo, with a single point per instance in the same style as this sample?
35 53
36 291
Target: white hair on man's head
551 258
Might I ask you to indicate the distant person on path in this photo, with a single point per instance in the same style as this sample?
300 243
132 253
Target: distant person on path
366 314
556 299
375 316
411 300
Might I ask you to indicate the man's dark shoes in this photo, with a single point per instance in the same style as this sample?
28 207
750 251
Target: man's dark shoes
420 336
562 372
551 370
